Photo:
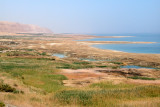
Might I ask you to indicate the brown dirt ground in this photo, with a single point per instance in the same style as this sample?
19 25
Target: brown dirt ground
84 77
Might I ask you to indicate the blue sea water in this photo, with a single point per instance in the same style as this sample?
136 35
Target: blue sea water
153 48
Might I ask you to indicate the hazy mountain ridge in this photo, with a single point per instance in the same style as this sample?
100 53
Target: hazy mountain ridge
12 27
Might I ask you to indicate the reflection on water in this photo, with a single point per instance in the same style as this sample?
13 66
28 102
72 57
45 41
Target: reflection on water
59 55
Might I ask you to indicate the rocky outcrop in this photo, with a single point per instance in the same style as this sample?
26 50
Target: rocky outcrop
11 27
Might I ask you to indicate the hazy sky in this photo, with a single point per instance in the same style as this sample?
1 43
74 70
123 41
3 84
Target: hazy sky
85 16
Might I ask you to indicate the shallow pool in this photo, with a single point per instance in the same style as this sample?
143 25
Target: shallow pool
59 55
133 66
87 59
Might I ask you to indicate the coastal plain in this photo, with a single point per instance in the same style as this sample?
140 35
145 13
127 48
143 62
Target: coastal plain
38 78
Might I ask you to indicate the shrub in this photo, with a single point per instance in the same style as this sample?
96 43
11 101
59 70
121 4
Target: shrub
2 104
83 63
7 88
102 66
44 53
117 63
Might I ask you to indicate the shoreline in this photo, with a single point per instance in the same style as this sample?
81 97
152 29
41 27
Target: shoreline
67 44
114 42
91 43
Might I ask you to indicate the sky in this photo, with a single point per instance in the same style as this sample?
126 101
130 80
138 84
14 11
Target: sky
85 16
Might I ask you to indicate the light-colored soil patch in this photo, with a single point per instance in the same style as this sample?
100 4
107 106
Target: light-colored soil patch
81 73
153 82
84 77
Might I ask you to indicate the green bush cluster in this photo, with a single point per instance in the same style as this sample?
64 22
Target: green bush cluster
2 104
7 88
118 63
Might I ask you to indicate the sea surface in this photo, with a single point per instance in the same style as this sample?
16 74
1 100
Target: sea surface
153 48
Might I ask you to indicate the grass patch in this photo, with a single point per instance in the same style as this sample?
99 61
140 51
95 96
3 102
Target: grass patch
20 53
118 63
115 67
83 63
74 65
142 78
34 72
103 97
110 85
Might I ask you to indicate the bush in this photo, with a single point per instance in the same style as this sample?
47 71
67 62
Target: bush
7 88
2 104
117 63
102 66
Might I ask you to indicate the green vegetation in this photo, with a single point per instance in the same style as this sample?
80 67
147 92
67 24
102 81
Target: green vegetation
19 53
42 74
43 53
114 67
106 97
83 63
142 78
118 63
34 72
102 66
7 88
2 104
110 85
74 65
29 49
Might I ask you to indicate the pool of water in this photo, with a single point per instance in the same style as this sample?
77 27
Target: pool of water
59 55
133 66
87 59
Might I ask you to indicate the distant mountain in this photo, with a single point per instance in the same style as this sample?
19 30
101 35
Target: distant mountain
12 27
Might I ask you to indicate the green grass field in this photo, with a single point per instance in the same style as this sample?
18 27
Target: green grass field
42 73
107 96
